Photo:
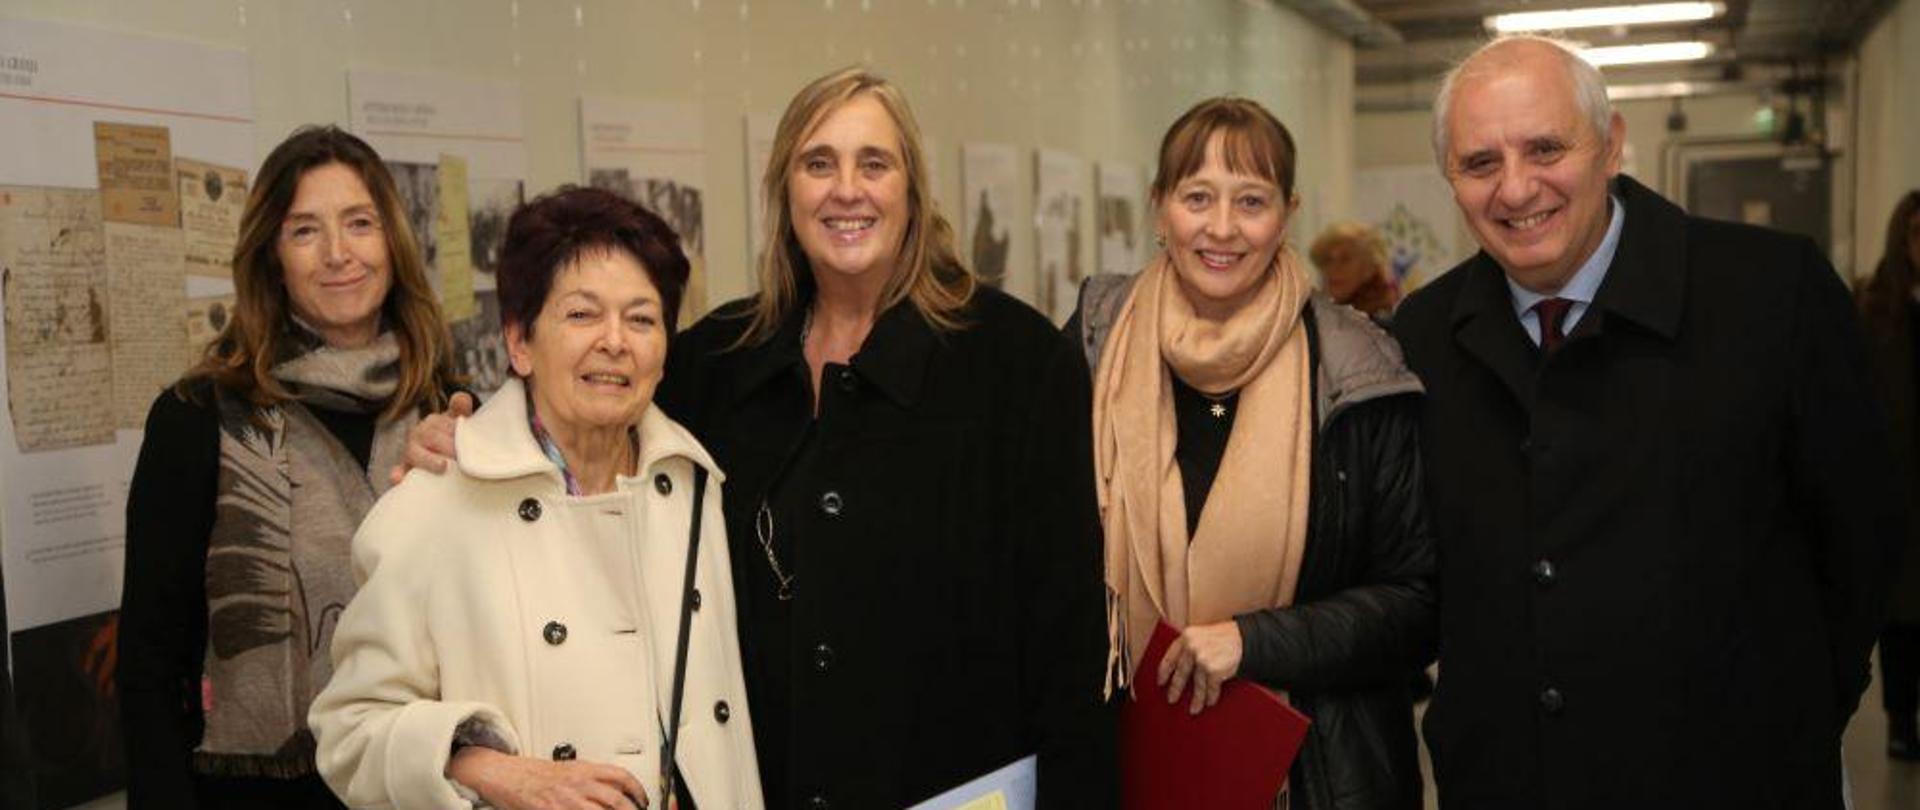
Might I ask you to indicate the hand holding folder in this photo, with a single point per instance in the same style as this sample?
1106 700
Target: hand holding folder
1234 754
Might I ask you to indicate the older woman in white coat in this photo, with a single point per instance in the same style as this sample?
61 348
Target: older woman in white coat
533 626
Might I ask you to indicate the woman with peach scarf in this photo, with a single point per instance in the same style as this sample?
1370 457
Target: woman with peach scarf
1258 470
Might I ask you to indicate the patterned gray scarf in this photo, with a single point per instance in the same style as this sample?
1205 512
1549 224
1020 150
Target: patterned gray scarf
279 561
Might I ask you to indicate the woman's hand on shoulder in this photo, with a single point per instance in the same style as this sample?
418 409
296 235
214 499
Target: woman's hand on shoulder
512 782
1208 655
430 442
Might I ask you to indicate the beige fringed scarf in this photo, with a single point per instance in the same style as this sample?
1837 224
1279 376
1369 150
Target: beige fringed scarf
1246 553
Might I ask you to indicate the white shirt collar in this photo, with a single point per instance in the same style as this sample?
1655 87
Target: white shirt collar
1586 281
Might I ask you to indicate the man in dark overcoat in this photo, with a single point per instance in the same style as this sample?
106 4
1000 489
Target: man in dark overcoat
1659 478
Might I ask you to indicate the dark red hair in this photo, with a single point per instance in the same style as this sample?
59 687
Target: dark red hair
555 229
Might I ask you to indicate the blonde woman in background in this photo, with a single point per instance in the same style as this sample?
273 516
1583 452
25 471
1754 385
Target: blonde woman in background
1352 258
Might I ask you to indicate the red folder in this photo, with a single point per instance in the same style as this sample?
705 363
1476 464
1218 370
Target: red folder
1234 754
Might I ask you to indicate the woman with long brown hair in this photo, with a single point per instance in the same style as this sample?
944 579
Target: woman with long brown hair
254 474
1889 308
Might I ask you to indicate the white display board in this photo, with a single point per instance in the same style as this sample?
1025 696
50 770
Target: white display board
123 162
417 117
654 153
1062 190
1123 219
989 179
761 129
64 508
457 149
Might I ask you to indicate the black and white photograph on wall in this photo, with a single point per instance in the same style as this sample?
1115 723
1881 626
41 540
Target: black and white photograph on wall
989 173
1061 183
490 203
419 186
1119 217
681 204
654 152
480 352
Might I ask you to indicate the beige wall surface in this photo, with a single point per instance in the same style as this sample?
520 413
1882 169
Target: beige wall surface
1100 78
1887 132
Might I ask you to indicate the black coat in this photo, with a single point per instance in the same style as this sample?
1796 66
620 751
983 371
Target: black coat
1363 618
1895 351
948 614
1664 550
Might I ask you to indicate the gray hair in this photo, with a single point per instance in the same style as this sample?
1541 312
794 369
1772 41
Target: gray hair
1589 89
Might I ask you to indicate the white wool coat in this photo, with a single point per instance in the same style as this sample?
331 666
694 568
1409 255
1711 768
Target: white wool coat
489 593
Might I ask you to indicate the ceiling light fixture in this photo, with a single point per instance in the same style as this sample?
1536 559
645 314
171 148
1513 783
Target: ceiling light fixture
1603 17
1647 54
1636 92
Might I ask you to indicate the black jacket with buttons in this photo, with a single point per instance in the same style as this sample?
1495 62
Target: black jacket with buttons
939 525
1363 618
1665 548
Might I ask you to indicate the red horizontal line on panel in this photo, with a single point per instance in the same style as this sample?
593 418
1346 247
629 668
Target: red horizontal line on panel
75 102
458 136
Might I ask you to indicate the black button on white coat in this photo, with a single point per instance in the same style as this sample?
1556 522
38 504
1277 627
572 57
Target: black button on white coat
696 598
564 752
555 633
530 510
722 712
830 504
662 484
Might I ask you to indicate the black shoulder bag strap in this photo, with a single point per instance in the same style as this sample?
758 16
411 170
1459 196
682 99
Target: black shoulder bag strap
668 771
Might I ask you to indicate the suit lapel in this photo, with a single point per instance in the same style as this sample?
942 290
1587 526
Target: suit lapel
1486 329
1646 284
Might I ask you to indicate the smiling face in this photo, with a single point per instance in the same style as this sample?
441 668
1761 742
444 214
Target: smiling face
847 192
333 256
594 355
1222 229
1527 168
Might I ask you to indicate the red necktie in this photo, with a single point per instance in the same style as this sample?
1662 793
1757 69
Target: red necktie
1553 315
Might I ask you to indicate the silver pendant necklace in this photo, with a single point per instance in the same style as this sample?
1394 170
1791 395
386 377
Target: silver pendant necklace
1217 406
763 518
763 530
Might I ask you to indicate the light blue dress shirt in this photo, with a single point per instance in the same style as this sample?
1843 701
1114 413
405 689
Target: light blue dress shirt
1580 288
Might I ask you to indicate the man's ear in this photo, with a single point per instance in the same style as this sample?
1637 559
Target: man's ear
1616 142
